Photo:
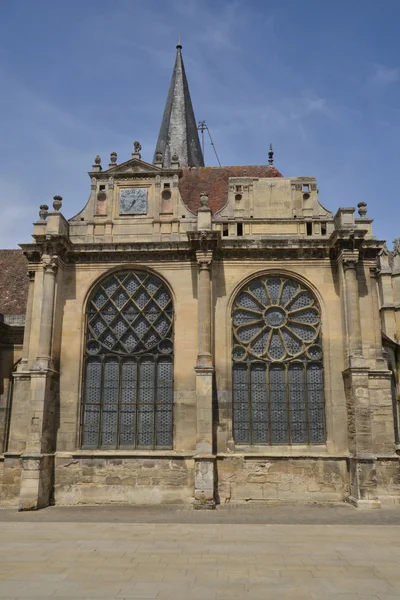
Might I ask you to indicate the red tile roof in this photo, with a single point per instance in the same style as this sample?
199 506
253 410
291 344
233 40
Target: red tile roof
215 182
13 282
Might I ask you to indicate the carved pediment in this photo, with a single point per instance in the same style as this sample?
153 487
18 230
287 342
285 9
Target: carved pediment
131 167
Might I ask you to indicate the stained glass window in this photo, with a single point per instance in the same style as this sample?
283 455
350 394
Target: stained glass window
278 389
128 364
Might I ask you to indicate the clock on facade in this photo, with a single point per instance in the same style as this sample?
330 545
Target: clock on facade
133 201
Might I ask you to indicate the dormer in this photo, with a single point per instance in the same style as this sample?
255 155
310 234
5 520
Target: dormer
130 200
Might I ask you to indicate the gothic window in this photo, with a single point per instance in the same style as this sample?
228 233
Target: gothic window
128 364
278 391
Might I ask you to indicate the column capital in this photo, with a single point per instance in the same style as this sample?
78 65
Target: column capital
374 272
50 265
204 259
348 256
350 261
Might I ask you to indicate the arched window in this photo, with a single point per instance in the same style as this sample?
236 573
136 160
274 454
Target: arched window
278 392
128 364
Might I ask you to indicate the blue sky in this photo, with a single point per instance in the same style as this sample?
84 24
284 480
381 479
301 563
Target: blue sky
318 79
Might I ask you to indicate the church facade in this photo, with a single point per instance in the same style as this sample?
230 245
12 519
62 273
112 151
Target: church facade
202 335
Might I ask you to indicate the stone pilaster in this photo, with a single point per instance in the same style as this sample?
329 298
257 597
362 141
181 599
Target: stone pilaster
363 482
381 362
46 319
204 493
37 460
36 480
387 306
396 285
354 338
28 320
204 358
362 462
21 385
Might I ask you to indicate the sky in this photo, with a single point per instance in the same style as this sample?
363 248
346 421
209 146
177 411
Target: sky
318 79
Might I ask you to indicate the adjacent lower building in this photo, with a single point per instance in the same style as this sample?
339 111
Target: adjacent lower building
201 335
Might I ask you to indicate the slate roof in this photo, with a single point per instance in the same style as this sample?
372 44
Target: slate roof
13 282
178 131
215 182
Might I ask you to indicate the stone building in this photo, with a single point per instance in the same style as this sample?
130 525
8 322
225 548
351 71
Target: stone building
202 335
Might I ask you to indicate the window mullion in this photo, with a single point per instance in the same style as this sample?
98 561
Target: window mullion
268 400
306 402
99 435
288 406
119 396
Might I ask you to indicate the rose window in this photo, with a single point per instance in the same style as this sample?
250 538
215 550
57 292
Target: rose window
278 393
276 319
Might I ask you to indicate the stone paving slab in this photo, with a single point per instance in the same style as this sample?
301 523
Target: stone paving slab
49 555
235 514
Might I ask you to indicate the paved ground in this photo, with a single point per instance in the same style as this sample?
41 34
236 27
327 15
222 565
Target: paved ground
252 552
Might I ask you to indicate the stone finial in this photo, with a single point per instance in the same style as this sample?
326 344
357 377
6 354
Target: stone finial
97 164
113 158
57 202
396 246
158 157
204 203
175 161
43 212
137 147
362 209
204 213
270 156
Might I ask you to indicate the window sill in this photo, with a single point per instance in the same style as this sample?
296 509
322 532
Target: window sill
124 454
320 451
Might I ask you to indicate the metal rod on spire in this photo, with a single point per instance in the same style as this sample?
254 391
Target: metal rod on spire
202 126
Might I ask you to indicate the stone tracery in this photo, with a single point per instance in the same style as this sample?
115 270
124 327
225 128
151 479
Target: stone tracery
128 371
277 364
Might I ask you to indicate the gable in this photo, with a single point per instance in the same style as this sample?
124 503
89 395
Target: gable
132 166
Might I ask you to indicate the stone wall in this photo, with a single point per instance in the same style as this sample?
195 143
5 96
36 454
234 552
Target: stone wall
128 480
388 479
11 479
304 479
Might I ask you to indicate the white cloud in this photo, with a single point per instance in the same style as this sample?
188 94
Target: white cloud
385 75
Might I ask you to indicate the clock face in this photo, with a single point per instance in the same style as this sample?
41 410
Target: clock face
133 201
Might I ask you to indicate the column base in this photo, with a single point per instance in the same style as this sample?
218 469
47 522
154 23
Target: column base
204 482
207 505
364 504
36 481
356 362
363 482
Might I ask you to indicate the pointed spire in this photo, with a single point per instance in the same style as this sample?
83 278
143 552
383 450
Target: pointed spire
178 132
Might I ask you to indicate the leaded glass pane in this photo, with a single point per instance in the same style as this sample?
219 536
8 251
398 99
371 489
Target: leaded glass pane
278 404
164 403
241 404
297 404
128 385
281 399
316 403
259 412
